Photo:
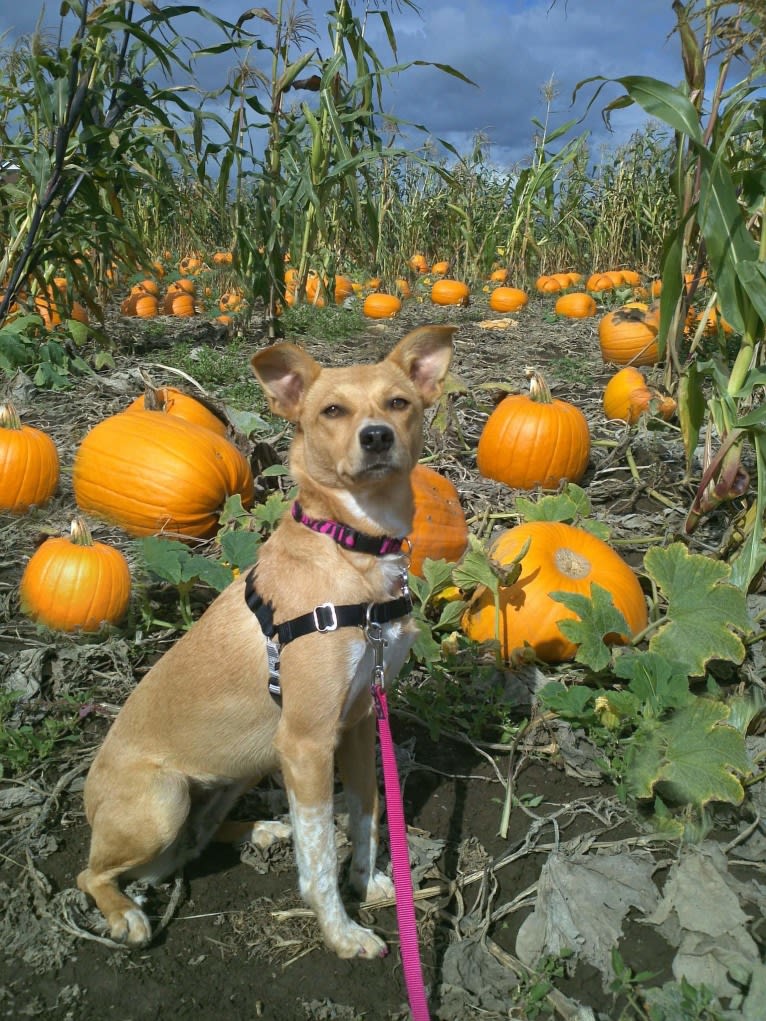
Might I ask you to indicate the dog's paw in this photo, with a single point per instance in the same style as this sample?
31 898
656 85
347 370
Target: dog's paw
356 941
378 886
130 927
264 834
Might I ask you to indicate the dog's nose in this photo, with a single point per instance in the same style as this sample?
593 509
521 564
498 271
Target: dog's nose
376 438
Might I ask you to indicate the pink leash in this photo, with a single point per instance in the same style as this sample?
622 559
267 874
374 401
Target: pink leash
400 860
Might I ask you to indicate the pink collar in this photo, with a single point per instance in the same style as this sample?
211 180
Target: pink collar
349 538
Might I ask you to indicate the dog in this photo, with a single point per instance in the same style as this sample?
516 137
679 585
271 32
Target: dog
204 725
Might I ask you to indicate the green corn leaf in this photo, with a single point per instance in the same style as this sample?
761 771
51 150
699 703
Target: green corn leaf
703 609
692 758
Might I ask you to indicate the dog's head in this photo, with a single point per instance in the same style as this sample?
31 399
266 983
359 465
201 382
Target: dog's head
359 426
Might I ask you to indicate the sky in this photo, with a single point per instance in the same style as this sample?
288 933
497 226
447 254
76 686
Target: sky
509 48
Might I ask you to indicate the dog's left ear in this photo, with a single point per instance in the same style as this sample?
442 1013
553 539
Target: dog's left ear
424 355
285 372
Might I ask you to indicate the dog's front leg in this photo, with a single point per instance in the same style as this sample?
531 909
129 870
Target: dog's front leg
356 763
308 769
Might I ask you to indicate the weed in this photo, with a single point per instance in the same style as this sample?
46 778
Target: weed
26 739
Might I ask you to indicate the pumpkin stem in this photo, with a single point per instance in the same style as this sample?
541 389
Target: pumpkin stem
79 532
9 417
539 391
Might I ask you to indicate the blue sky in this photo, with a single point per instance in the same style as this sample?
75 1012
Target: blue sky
510 48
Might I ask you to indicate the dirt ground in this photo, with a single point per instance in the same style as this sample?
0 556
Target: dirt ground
237 941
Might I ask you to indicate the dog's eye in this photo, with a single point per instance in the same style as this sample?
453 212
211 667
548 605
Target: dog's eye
333 411
398 403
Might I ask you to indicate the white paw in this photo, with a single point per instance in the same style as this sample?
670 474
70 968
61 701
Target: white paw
130 927
264 834
355 941
378 886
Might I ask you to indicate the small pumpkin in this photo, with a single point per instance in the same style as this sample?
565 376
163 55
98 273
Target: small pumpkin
498 276
29 464
149 473
628 336
631 277
380 305
74 583
170 401
575 305
344 288
402 285
223 258
508 299
439 529
190 265
627 397
450 292
533 440
559 558
418 263
440 268
178 303
599 282
548 284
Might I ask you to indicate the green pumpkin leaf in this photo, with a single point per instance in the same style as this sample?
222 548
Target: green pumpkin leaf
703 609
240 548
599 617
691 758
657 683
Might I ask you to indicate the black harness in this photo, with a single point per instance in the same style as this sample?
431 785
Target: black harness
326 617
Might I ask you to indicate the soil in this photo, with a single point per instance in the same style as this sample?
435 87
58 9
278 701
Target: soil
237 940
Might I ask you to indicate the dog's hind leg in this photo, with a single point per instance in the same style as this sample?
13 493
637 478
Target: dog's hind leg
122 847
308 769
356 764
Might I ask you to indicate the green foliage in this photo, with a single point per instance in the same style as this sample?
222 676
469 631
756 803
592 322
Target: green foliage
598 617
47 357
24 745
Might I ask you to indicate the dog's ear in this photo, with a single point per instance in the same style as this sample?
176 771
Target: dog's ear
285 372
424 355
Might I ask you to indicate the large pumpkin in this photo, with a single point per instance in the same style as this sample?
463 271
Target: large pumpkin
170 401
148 472
29 464
74 583
560 558
381 306
450 292
439 529
576 305
534 440
628 336
507 299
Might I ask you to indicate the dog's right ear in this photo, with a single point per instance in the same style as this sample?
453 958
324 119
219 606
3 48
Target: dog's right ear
285 372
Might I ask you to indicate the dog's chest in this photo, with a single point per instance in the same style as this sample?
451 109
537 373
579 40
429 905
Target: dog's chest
398 637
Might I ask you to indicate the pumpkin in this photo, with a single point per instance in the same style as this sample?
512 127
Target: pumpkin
439 529
507 299
576 305
223 258
190 265
547 284
344 288
533 440
599 282
231 301
140 304
146 287
498 276
450 292
418 263
379 305
560 558
183 285
628 336
655 288
148 473
616 276
627 397
168 400
177 303
29 464
630 277
75 583
403 287
441 268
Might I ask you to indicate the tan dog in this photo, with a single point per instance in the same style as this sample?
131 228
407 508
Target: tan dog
202 727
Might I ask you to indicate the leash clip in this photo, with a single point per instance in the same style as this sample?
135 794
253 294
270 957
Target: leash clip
374 634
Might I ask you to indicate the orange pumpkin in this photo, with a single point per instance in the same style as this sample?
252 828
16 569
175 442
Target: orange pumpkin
628 336
75 583
631 277
548 284
148 473
381 306
403 287
560 558
599 282
498 276
168 400
533 440
507 299
223 258
439 529
344 288
441 268
575 305
627 397
29 464
450 292
418 263
191 265
178 303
